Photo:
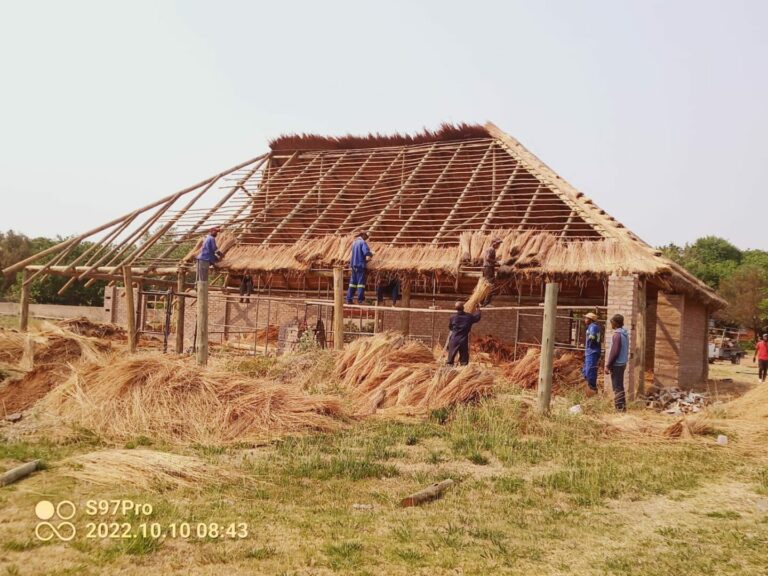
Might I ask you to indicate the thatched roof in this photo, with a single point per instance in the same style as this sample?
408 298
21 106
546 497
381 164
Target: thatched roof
420 197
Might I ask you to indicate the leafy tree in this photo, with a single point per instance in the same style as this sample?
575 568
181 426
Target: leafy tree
710 258
747 293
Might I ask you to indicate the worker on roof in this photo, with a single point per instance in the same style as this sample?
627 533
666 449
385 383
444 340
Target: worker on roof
388 285
209 254
761 355
490 264
617 361
591 350
460 326
358 263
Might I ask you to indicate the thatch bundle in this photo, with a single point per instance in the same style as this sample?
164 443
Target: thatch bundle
387 371
566 370
498 352
162 397
43 359
142 469
482 289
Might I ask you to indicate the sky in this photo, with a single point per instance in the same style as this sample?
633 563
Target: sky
655 109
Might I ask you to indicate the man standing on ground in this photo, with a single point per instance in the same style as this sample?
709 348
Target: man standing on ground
460 326
489 268
209 254
591 350
761 355
617 361
358 263
246 287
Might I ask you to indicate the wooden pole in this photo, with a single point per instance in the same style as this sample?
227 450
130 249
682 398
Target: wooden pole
338 308
130 312
405 317
202 321
24 302
547 346
180 310
637 384
431 492
19 472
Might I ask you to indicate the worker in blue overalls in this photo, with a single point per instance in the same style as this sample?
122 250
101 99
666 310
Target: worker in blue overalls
592 347
460 325
358 263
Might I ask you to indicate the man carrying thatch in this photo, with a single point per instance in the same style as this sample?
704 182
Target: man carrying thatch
358 263
617 360
460 326
490 264
209 254
591 350
246 287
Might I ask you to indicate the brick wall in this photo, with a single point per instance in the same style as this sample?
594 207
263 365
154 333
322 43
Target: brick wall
669 322
694 367
622 299
650 334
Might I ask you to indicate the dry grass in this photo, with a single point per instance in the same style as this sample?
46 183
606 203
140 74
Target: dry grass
143 469
479 294
566 371
387 371
168 398
85 327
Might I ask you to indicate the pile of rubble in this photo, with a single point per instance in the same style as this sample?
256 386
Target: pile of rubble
675 401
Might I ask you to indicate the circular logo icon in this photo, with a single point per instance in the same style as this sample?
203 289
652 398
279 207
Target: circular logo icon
44 510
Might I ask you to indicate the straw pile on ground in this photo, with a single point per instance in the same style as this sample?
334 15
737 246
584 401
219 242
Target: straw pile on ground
85 327
43 362
387 372
653 428
566 371
167 398
498 352
142 469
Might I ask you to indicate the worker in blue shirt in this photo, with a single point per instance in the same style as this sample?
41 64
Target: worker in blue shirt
209 254
591 350
460 326
358 263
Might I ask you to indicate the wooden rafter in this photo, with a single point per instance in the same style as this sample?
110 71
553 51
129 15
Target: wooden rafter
529 209
368 192
445 225
285 190
425 199
396 198
499 199
332 204
568 223
300 204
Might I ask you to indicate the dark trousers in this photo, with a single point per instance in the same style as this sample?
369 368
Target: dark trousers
617 381
458 346
589 371
392 287
245 291
762 369
489 273
357 283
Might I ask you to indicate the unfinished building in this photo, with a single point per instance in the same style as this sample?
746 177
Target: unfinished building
431 204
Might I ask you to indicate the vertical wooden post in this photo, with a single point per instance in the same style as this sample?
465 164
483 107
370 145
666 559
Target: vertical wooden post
547 346
405 317
24 302
338 308
376 317
181 302
130 308
202 321
637 384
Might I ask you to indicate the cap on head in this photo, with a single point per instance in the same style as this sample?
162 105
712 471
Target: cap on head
765 336
214 230
591 315
459 305
496 242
